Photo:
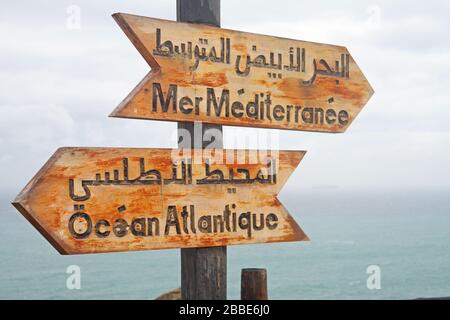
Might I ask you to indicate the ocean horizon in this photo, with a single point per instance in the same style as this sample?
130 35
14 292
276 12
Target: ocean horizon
406 233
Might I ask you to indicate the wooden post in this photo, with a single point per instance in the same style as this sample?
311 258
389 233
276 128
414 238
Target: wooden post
254 284
203 270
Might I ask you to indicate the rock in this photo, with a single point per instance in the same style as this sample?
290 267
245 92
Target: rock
171 295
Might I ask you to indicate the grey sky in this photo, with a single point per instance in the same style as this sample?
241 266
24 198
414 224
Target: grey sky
59 85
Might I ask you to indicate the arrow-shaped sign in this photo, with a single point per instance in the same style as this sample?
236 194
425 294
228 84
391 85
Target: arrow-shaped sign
214 75
90 200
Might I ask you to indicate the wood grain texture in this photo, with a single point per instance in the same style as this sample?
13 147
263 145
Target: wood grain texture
254 284
203 270
203 274
289 84
127 210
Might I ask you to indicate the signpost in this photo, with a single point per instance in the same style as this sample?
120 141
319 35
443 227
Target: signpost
94 200
204 73
203 270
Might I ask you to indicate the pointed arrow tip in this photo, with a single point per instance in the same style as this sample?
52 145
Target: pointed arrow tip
29 216
117 15
298 233
117 112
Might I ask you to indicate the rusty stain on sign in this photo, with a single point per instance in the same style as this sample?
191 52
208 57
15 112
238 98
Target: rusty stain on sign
214 75
93 200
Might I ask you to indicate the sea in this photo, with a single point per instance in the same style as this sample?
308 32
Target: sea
365 244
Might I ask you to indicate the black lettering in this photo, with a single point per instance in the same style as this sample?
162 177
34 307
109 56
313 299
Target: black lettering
318 116
204 224
297 110
185 215
268 102
278 113
164 102
245 223
252 108
271 218
343 117
192 218
120 228
330 116
226 215
186 105
261 222
79 217
288 114
307 115
224 100
138 227
153 226
197 105
218 222
172 220
237 109
98 232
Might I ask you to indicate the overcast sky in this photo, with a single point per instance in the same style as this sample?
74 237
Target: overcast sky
59 84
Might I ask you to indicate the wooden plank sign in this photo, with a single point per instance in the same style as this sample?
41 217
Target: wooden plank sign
220 76
92 200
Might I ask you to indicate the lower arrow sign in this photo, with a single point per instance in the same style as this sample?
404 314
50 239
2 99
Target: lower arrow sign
92 200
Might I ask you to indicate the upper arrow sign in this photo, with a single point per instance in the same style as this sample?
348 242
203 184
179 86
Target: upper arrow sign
214 75
91 200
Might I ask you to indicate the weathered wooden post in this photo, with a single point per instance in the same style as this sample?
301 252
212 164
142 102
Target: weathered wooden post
254 284
203 270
